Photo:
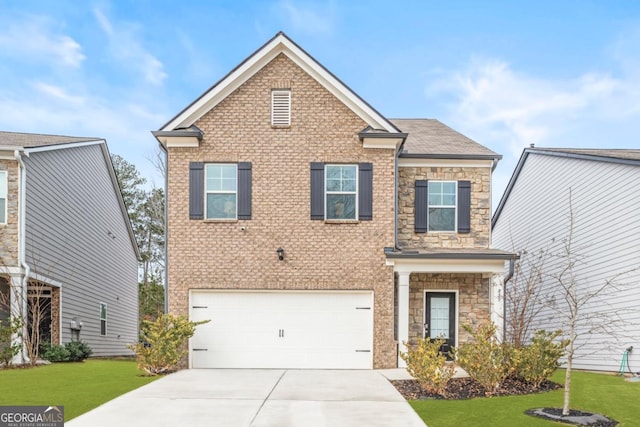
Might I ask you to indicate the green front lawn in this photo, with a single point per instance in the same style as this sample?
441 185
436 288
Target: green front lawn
606 394
79 387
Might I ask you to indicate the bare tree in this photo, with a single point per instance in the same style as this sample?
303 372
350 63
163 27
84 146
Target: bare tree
572 295
523 301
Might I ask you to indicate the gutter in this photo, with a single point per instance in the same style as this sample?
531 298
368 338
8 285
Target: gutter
22 245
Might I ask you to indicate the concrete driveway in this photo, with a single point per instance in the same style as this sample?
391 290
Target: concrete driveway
258 397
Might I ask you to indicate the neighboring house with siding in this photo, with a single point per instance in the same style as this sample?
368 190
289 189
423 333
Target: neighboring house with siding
65 233
316 233
534 214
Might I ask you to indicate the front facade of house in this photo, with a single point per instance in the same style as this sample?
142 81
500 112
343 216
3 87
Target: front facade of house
291 222
599 189
66 243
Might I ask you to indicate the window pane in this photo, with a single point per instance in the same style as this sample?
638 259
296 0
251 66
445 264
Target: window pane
442 219
228 171
3 203
348 172
333 185
341 206
333 172
3 185
349 185
439 320
103 311
227 184
221 206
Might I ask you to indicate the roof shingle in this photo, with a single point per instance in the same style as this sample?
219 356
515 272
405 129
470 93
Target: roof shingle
430 137
19 139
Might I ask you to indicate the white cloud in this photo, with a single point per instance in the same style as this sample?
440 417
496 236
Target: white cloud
508 109
310 19
57 93
126 47
37 38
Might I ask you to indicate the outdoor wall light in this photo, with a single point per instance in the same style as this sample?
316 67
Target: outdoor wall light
280 252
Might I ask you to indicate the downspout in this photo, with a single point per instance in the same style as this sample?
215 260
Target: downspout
512 264
395 198
166 229
22 247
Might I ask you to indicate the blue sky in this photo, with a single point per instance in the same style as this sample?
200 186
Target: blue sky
506 74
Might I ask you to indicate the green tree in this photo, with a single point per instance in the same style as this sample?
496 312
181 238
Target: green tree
146 213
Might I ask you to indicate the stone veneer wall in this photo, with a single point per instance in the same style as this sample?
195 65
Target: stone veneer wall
55 315
9 231
473 303
318 255
480 235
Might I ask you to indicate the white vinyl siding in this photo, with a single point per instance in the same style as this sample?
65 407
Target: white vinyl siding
280 107
221 187
3 197
341 192
605 206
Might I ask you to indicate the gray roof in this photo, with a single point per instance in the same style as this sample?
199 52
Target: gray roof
429 138
449 253
19 139
621 154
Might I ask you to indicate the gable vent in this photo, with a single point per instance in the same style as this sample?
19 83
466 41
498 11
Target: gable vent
281 108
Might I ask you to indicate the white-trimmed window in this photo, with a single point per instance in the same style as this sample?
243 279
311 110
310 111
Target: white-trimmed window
442 205
221 191
3 197
281 107
103 319
341 195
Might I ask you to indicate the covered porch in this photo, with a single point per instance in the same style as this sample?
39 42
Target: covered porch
437 291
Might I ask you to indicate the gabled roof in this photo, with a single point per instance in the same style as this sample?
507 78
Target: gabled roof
624 156
36 142
23 140
430 138
279 44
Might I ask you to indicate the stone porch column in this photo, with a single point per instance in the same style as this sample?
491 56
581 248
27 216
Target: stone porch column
403 315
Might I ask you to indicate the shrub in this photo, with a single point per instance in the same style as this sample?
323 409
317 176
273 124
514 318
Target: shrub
163 343
57 353
74 351
9 349
538 361
78 350
485 359
428 365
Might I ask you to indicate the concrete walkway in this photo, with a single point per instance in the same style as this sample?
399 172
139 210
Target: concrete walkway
258 397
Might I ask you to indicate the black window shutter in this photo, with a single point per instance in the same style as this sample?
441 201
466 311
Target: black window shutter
244 190
421 207
464 206
196 190
317 190
365 192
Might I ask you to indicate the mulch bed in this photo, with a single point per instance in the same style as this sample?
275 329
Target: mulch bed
466 388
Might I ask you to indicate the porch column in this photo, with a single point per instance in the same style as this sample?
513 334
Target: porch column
18 309
496 295
403 315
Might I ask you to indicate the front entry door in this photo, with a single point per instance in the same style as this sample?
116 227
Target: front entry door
440 318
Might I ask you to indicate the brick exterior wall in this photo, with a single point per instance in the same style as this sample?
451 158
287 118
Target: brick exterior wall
9 231
318 255
473 300
480 236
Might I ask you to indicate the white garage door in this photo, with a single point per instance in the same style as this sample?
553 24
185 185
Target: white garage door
329 330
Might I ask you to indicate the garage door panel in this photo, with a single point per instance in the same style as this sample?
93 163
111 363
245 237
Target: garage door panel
282 330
